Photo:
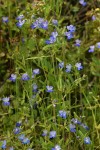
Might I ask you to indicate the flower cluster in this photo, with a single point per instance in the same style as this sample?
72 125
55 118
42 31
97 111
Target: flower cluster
20 22
52 134
52 38
23 139
71 29
69 66
40 23
62 114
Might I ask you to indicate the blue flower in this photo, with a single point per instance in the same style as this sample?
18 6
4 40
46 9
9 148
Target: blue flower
21 137
52 134
82 2
35 87
18 124
57 147
11 148
87 140
6 101
78 42
98 45
49 89
20 17
54 34
91 50
62 114
85 126
44 133
13 77
40 23
69 35
79 66
34 25
16 130
72 128
55 22
20 23
5 19
44 25
26 141
68 68
71 28
61 65
93 17
36 71
75 121
25 77
3 146
51 40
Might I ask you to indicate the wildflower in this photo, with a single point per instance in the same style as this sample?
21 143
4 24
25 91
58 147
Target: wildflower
11 148
82 2
62 114
5 19
26 141
72 128
51 40
36 71
54 34
69 35
79 66
71 28
34 25
68 68
98 45
25 77
20 23
18 124
49 89
87 140
16 130
35 87
13 77
61 65
93 17
21 137
6 101
85 126
75 121
40 23
55 22
91 50
57 147
3 146
44 25
52 134
78 42
44 133
20 17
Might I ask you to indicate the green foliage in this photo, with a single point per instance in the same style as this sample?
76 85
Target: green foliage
23 49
